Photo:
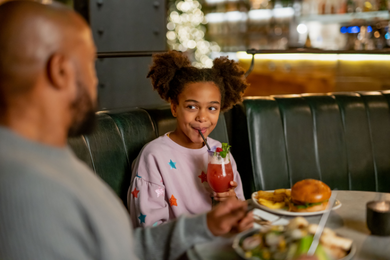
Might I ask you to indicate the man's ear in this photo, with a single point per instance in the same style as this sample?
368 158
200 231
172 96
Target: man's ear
60 71
174 109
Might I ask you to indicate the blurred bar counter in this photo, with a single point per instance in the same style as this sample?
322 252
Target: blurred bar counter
316 71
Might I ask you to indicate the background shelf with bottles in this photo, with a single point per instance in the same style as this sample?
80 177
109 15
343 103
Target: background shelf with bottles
238 25
344 18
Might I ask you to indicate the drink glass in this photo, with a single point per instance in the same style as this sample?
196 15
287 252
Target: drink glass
219 172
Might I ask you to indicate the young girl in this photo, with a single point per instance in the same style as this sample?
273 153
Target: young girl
169 175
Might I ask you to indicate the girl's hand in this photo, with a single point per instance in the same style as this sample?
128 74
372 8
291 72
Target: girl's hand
225 195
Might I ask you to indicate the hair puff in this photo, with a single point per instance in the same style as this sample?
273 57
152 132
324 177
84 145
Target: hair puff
233 80
164 67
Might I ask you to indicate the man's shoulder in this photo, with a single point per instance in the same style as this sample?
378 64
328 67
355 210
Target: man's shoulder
17 174
14 165
32 173
47 208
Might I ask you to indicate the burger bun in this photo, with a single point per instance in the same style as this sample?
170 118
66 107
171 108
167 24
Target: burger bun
309 191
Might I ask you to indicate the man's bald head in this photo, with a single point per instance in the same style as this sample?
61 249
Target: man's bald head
30 34
47 60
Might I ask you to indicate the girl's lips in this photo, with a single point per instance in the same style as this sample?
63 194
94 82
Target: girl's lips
203 130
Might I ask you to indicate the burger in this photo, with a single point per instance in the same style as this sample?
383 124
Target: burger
309 195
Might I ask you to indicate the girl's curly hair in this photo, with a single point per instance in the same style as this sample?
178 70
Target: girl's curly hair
172 70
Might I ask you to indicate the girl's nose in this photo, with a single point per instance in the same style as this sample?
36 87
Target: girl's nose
201 117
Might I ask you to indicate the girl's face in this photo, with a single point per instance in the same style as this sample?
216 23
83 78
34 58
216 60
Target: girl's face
198 108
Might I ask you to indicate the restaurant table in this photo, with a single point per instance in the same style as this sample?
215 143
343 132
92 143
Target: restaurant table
348 221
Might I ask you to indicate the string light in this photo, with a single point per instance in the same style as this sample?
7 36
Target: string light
186 31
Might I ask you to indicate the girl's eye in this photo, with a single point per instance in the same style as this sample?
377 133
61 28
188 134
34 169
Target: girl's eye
213 108
191 107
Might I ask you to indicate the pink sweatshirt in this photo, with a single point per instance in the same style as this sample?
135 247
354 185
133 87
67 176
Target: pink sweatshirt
169 180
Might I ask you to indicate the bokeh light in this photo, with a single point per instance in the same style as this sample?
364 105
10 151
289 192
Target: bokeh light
302 28
186 32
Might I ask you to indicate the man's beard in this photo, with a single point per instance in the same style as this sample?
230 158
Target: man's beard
83 108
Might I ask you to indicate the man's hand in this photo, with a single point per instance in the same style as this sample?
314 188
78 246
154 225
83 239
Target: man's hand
225 195
229 215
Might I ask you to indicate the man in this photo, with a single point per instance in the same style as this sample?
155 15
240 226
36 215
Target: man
51 205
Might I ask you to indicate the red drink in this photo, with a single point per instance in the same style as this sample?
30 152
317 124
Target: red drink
219 176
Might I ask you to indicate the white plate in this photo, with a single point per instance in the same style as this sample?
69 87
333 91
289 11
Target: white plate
337 204
241 236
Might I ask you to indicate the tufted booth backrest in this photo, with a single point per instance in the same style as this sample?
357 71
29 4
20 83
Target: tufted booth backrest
119 137
115 143
342 139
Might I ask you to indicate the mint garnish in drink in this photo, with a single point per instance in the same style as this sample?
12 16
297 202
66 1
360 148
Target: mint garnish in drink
223 151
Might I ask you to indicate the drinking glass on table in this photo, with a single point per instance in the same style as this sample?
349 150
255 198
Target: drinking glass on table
219 172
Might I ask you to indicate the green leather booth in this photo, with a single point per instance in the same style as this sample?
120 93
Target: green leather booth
119 137
342 139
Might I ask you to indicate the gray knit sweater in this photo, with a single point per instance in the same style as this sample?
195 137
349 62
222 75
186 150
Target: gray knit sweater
52 206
